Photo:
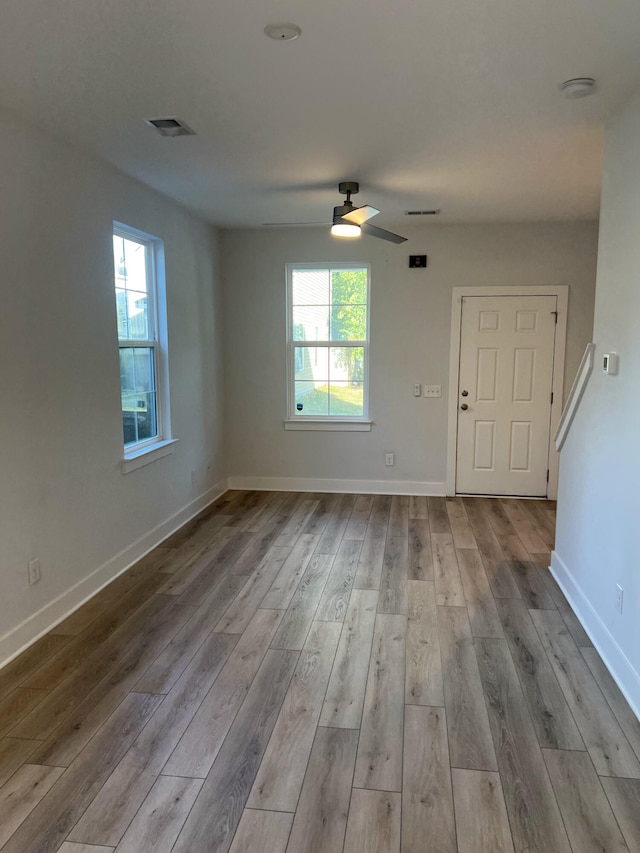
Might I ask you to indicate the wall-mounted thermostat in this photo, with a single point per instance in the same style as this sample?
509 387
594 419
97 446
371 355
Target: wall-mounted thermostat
610 362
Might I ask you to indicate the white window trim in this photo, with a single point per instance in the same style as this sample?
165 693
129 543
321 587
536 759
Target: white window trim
140 457
142 453
334 425
327 423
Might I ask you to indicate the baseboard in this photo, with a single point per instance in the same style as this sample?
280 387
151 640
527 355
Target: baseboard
361 487
622 670
26 633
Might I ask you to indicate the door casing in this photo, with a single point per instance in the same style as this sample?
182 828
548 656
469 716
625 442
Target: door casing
561 291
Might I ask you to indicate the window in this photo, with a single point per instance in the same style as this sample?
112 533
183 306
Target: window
328 337
140 307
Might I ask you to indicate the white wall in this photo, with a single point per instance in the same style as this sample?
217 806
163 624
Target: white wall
63 497
597 531
410 330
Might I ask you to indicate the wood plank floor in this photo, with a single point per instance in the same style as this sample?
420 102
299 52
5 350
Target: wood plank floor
315 673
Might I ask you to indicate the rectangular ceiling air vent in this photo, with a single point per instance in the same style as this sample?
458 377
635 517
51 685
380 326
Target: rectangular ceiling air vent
422 212
170 126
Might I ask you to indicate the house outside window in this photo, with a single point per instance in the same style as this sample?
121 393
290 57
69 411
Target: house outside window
141 315
328 342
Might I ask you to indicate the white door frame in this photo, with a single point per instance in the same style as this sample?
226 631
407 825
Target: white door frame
557 386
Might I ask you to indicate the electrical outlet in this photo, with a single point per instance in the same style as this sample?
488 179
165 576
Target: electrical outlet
619 597
34 571
417 390
389 459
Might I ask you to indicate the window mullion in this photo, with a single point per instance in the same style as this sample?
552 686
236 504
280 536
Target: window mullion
135 342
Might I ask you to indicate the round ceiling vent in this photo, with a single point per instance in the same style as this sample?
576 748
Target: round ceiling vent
282 32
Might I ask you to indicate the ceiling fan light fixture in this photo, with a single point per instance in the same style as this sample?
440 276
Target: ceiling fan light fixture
341 227
345 229
352 221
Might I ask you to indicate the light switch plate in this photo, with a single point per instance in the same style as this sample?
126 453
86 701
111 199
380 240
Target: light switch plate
432 390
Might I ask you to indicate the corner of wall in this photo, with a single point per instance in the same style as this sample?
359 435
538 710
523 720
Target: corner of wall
27 632
622 670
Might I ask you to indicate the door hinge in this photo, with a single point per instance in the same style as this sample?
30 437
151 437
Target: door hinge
552 398
555 314
547 475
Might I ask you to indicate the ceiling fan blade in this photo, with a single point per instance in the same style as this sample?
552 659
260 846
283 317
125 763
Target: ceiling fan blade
293 224
361 214
380 232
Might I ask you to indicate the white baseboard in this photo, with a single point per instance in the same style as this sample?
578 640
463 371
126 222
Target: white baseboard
622 670
316 484
26 633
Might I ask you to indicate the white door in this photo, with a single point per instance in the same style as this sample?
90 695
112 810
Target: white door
504 394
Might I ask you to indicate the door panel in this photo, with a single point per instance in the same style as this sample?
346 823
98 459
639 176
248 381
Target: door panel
506 366
485 446
520 446
523 375
487 375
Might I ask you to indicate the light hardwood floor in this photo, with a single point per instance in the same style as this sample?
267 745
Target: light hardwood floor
317 673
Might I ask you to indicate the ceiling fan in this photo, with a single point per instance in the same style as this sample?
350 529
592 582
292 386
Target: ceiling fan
351 221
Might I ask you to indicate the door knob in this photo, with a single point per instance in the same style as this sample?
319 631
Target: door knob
464 407
464 393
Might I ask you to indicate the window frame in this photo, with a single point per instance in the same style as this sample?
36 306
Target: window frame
139 453
294 421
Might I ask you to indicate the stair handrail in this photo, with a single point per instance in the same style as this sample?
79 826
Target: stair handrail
575 395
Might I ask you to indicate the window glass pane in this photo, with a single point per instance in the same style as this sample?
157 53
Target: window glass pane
144 369
132 290
346 399
346 364
310 287
138 316
139 417
127 371
121 310
137 382
348 322
137 370
311 363
348 287
132 308
311 323
311 398
130 263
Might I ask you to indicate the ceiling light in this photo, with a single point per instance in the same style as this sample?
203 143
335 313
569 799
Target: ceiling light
345 229
578 87
282 32
340 228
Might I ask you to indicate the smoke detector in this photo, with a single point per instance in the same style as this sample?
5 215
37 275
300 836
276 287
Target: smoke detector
170 126
578 87
282 32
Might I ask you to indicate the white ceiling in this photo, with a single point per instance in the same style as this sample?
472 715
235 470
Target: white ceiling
451 104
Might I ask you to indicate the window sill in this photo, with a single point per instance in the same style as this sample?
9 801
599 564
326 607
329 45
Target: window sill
328 426
138 458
